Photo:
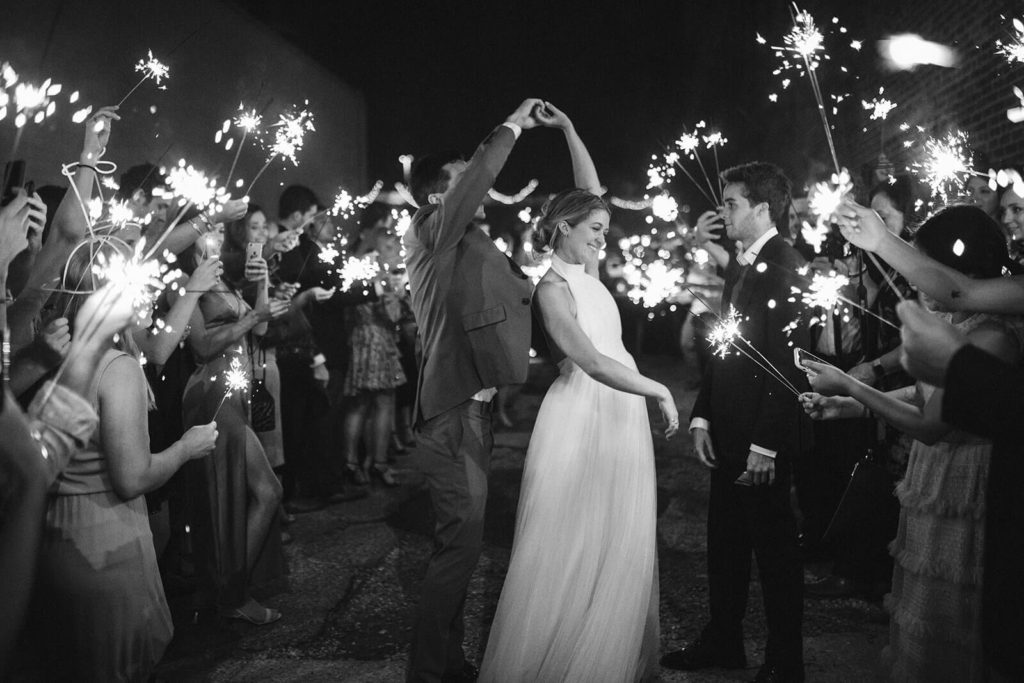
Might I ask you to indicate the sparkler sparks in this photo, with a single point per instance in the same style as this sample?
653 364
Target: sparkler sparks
235 379
356 269
654 284
725 333
824 291
1013 49
947 163
329 254
290 135
663 167
403 219
193 186
665 207
140 279
879 107
152 68
248 121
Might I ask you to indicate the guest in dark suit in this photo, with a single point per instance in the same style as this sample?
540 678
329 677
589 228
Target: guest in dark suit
472 305
744 424
982 396
321 471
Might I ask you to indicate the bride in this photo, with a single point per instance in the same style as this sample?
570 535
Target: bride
580 600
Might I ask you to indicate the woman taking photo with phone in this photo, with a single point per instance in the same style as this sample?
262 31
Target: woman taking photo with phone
241 490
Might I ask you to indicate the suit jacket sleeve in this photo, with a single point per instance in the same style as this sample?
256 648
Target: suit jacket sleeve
442 228
983 395
778 418
702 406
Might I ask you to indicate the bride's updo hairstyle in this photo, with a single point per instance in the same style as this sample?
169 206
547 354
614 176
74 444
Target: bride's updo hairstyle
571 206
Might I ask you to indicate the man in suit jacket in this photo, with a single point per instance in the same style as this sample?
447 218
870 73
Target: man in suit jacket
744 424
472 305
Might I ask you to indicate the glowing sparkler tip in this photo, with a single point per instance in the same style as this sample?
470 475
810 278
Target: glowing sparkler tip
153 68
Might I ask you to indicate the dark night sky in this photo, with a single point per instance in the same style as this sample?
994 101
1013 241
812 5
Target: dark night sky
630 75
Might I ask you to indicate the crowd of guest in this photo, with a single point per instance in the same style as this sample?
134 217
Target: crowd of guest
128 463
123 438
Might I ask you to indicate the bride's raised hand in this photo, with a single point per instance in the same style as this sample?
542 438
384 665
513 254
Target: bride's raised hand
667 404
551 116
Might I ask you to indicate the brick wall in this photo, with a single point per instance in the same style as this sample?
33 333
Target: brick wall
973 97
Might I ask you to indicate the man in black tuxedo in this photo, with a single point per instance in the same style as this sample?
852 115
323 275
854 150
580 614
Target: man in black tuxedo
472 305
744 426
982 396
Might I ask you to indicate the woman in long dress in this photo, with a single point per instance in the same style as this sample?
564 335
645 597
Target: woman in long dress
580 600
101 606
241 492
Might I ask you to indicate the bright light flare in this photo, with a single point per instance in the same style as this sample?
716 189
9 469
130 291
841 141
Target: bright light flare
907 51
402 219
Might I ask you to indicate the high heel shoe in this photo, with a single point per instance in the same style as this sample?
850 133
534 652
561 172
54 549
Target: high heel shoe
356 474
384 473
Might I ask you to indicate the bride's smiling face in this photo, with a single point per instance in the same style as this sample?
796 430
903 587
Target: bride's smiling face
583 242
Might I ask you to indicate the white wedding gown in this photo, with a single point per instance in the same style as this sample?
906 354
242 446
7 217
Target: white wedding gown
580 600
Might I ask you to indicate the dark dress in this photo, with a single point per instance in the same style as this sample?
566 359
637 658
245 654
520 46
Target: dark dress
223 472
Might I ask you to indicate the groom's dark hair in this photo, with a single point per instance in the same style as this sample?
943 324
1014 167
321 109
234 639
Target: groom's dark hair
428 175
763 182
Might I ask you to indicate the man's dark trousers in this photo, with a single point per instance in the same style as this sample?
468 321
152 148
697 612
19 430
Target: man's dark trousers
453 450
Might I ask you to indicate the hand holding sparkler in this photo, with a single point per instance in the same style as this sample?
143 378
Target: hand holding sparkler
199 441
149 68
820 407
861 225
270 309
205 276
97 135
56 336
284 241
231 210
828 380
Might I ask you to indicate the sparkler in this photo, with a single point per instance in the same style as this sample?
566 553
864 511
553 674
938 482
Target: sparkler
946 165
355 269
288 139
725 333
249 121
1013 49
663 168
665 207
653 284
149 68
235 379
803 51
403 219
